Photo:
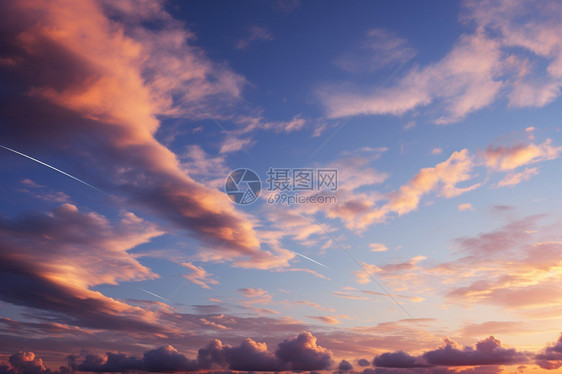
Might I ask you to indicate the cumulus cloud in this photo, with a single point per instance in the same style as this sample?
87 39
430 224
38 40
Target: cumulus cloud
258 122
303 353
345 366
381 48
511 179
487 352
300 353
537 35
465 206
397 360
463 81
329 320
256 295
551 357
28 363
377 247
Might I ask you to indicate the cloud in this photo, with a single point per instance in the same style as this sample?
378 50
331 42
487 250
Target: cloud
444 178
436 151
199 276
84 250
257 33
299 353
363 362
28 363
329 320
377 247
256 295
398 360
465 206
488 352
506 158
163 359
303 353
528 284
345 366
551 357
511 179
510 49
92 113
381 48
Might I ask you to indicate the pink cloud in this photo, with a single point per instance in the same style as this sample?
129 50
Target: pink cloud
504 158
257 33
511 179
464 81
551 357
160 74
199 276
465 206
482 66
85 250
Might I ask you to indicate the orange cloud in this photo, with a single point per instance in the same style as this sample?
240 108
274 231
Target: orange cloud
511 179
465 206
112 85
505 158
199 276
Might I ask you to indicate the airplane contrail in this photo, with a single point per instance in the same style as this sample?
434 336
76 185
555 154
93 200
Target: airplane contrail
153 294
52 167
309 259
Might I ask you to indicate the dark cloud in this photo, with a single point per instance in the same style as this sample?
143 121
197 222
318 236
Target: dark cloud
302 353
209 309
27 363
551 357
488 352
249 355
84 250
397 360
345 366
253 356
363 363
166 359
64 98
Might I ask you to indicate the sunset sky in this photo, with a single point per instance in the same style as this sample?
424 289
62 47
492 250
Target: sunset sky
439 250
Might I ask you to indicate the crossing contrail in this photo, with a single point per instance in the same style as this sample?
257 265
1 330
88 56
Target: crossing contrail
52 167
309 259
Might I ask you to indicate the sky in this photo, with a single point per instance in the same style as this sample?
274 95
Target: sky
274 186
